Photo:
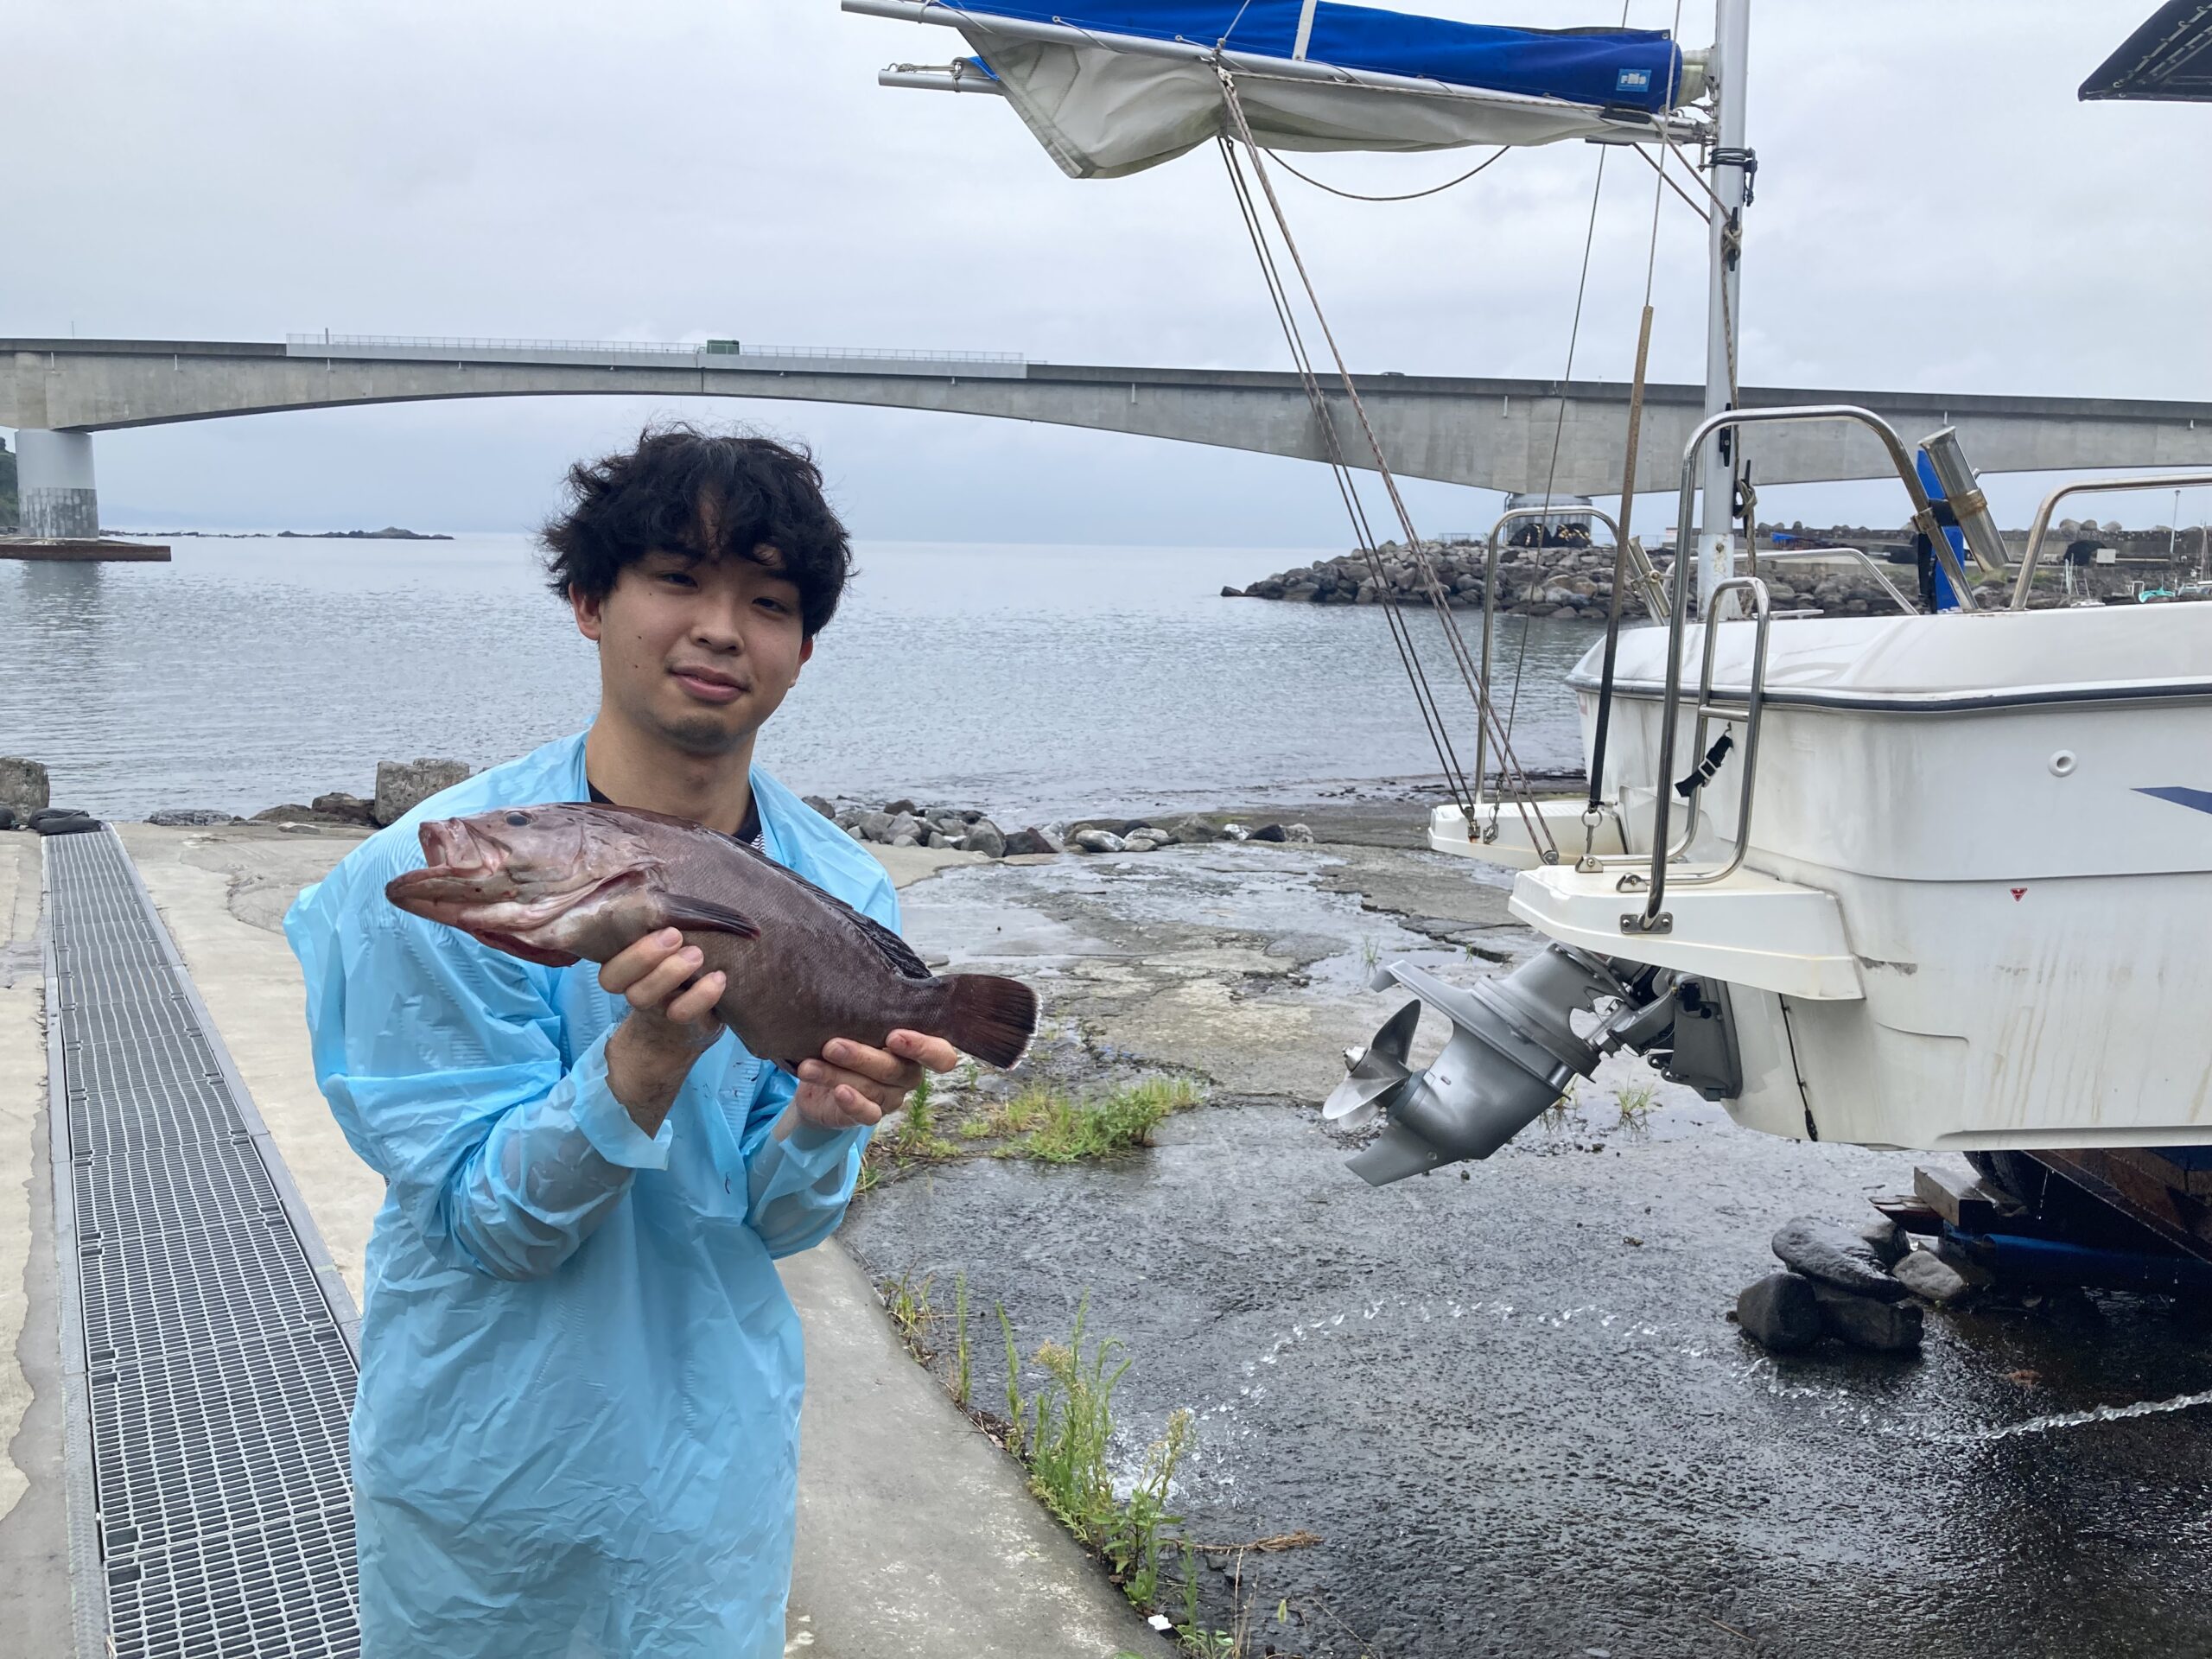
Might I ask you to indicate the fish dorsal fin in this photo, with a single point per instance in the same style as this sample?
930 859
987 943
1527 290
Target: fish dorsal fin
893 949
697 915
897 954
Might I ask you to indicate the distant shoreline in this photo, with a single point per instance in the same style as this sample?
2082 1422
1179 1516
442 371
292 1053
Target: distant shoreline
389 533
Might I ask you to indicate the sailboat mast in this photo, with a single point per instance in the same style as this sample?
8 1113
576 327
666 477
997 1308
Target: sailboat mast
1731 167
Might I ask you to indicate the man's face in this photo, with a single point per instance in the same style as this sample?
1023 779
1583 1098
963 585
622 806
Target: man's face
700 651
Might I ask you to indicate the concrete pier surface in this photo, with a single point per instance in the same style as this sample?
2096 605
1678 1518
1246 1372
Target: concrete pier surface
1506 1414
82 551
916 1536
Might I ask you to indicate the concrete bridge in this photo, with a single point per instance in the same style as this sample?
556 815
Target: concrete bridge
1489 433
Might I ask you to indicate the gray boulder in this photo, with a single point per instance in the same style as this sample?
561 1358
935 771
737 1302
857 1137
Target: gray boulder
872 826
1096 841
907 824
823 807
941 842
1029 840
402 785
64 824
189 816
904 840
7 817
1274 832
1836 1255
344 807
1193 827
1886 1239
985 837
1929 1277
23 786
1866 1322
1146 839
1297 832
1780 1312
894 808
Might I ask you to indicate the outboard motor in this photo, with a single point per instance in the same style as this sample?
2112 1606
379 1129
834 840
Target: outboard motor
1513 1052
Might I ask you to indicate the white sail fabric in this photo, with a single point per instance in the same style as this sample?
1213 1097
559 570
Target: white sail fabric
1103 114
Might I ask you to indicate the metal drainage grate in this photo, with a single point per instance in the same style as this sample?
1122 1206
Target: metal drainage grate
216 1369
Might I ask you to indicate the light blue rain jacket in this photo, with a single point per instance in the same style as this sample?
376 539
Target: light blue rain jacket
578 1414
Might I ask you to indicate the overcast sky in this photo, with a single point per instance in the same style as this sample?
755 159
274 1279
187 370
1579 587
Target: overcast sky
1935 211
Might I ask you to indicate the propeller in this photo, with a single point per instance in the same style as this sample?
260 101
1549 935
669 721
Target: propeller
1374 1071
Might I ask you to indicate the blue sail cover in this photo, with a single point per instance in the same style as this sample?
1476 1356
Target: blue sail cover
1632 68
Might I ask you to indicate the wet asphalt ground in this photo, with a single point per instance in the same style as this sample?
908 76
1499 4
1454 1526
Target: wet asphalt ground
1512 1405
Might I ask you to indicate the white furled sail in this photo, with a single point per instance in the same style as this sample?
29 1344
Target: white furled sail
1115 86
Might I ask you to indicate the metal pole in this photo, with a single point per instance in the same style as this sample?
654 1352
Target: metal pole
1716 542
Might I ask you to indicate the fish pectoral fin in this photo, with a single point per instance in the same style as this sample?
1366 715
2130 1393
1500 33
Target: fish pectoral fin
695 915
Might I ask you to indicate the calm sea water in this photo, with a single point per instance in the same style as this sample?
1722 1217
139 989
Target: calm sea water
1035 681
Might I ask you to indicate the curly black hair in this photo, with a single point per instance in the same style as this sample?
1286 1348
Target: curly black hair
717 495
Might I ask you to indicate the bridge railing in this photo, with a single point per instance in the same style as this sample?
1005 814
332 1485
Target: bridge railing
438 343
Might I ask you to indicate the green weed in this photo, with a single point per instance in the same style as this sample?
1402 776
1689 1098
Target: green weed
1066 1432
1636 1104
1061 1131
1558 1112
916 1135
1016 1429
909 1304
963 1370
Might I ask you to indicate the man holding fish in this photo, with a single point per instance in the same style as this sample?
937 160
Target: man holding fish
612 1020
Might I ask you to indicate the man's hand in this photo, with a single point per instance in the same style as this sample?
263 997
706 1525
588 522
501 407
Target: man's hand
853 1085
670 1023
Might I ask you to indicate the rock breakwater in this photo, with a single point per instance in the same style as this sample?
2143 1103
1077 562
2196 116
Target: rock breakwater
1568 582
903 823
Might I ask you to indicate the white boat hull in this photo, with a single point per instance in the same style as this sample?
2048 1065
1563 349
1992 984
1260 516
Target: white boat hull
2009 818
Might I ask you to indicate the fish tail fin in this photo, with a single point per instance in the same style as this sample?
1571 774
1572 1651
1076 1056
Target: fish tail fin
989 1017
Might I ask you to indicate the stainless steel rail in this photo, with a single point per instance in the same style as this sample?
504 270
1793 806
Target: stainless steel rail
1754 715
1858 553
1490 619
2033 556
1639 563
1653 919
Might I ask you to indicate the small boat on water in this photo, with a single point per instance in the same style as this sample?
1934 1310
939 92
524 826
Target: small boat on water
1928 881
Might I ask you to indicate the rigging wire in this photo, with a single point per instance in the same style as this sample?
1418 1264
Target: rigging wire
1658 165
1509 766
1411 195
1401 636
1558 427
1622 541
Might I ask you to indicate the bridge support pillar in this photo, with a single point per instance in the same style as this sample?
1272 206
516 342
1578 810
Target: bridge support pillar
55 497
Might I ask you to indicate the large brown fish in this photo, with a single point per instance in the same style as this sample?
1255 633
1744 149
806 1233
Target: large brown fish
567 882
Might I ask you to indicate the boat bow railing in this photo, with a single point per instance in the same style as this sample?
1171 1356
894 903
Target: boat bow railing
2041 529
1639 563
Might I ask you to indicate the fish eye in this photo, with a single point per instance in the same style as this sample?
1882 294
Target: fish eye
519 819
